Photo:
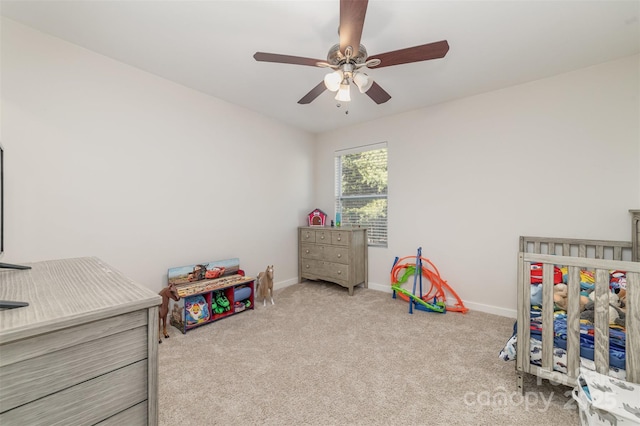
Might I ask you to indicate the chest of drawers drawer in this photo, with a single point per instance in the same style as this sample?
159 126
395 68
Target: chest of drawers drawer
329 271
324 252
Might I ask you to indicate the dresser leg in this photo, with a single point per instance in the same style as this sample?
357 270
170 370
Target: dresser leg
351 291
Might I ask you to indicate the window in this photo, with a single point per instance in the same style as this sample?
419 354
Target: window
361 190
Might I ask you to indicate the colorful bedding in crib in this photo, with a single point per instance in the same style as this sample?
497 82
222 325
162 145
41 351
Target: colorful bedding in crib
617 336
616 350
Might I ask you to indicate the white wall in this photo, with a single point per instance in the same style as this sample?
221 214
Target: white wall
105 160
556 157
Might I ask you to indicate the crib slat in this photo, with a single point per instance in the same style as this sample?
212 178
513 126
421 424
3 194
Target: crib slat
617 253
573 323
547 317
524 315
599 252
582 250
632 323
566 249
601 321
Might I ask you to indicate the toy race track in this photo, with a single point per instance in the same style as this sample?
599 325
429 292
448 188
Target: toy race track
435 300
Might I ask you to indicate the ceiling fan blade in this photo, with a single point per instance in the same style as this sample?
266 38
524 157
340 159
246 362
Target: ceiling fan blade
286 59
352 14
378 94
314 93
413 54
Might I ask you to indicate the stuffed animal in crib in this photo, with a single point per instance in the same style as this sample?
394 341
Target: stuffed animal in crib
616 315
560 297
536 294
622 295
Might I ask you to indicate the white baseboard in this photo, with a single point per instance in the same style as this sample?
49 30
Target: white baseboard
285 283
489 309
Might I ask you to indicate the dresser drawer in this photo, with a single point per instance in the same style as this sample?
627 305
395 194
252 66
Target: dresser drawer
307 236
336 254
34 378
317 269
134 416
323 237
87 403
324 252
340 238
311 251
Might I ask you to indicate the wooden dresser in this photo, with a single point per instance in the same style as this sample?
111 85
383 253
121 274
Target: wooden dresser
83 352
635 234
338 255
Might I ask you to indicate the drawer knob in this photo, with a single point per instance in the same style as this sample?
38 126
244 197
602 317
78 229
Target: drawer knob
339 272
339 238
322 237
339 256
307 266
307 251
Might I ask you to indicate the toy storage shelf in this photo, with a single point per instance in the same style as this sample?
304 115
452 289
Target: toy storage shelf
232 288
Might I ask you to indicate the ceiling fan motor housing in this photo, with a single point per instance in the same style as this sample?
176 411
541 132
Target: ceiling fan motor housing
336 57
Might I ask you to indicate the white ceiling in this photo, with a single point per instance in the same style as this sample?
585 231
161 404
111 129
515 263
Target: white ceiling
209 45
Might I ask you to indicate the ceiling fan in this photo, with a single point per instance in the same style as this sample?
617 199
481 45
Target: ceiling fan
348 58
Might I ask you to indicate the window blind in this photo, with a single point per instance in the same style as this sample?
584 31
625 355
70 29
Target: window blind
361 189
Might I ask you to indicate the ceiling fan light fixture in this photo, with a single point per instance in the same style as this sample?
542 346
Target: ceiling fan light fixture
343 94
333 80
363 81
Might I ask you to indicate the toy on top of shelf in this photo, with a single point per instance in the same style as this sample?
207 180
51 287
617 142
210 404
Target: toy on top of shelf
265 285
317 218
169 292
214 272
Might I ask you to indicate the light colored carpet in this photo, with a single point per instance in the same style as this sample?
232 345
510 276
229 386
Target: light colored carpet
322 357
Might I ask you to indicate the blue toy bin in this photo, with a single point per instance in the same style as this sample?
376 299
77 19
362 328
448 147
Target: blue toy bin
241 293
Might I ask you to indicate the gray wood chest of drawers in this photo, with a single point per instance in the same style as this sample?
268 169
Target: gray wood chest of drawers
83 352
338 255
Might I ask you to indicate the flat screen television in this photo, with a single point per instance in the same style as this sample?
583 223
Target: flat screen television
6 304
